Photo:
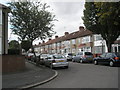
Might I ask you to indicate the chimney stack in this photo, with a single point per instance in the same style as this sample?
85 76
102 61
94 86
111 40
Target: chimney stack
43 42
49 39
56 37
66 33
39 43
81 28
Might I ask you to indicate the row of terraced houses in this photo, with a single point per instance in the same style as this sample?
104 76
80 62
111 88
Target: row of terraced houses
81 40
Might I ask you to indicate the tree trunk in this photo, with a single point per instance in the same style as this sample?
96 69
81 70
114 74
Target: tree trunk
109 46
36 61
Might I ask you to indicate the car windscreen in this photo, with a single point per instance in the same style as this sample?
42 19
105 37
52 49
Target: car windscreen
44 55
30 54
88 53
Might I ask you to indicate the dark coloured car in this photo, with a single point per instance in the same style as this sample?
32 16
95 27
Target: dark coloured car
83 57
108 58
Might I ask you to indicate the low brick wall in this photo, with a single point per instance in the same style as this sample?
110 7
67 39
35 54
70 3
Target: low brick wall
12 63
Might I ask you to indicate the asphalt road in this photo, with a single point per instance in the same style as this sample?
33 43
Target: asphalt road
84 76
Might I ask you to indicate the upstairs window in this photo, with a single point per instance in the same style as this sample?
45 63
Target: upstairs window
98 37
86 39
73 41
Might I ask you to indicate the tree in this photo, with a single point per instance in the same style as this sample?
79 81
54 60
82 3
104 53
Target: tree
103 18
30 21
26 45
14 44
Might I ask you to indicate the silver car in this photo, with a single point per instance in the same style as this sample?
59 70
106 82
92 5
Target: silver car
57 60
83 57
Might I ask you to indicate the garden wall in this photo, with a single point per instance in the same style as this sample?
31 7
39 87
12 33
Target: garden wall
12 63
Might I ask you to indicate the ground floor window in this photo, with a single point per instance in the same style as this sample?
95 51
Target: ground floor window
58 51
67 50
73 50
86 49
99 49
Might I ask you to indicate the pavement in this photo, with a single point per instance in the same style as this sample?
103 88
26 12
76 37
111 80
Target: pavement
30 77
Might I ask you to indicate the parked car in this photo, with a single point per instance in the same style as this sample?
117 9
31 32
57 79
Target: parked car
83 57
42 58
29 56
56 60
69 56
108 58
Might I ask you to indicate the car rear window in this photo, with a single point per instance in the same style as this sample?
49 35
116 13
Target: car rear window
58 56
88 53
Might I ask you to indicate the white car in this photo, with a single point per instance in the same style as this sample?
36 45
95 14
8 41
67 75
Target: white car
29 56
56 60
69 56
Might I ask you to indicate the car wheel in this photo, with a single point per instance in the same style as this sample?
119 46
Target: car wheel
111 63
81 61
96 62
73 60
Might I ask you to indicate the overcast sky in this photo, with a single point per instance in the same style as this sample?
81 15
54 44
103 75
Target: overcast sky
67 13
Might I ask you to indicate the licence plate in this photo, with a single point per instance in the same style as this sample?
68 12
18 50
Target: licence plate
60 61
89 58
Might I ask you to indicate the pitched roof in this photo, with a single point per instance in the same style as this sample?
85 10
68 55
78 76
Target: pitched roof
117 42
70 36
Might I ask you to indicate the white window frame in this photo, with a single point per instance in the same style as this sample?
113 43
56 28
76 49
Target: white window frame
98 37
67 43
73 41
86 39
87 49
